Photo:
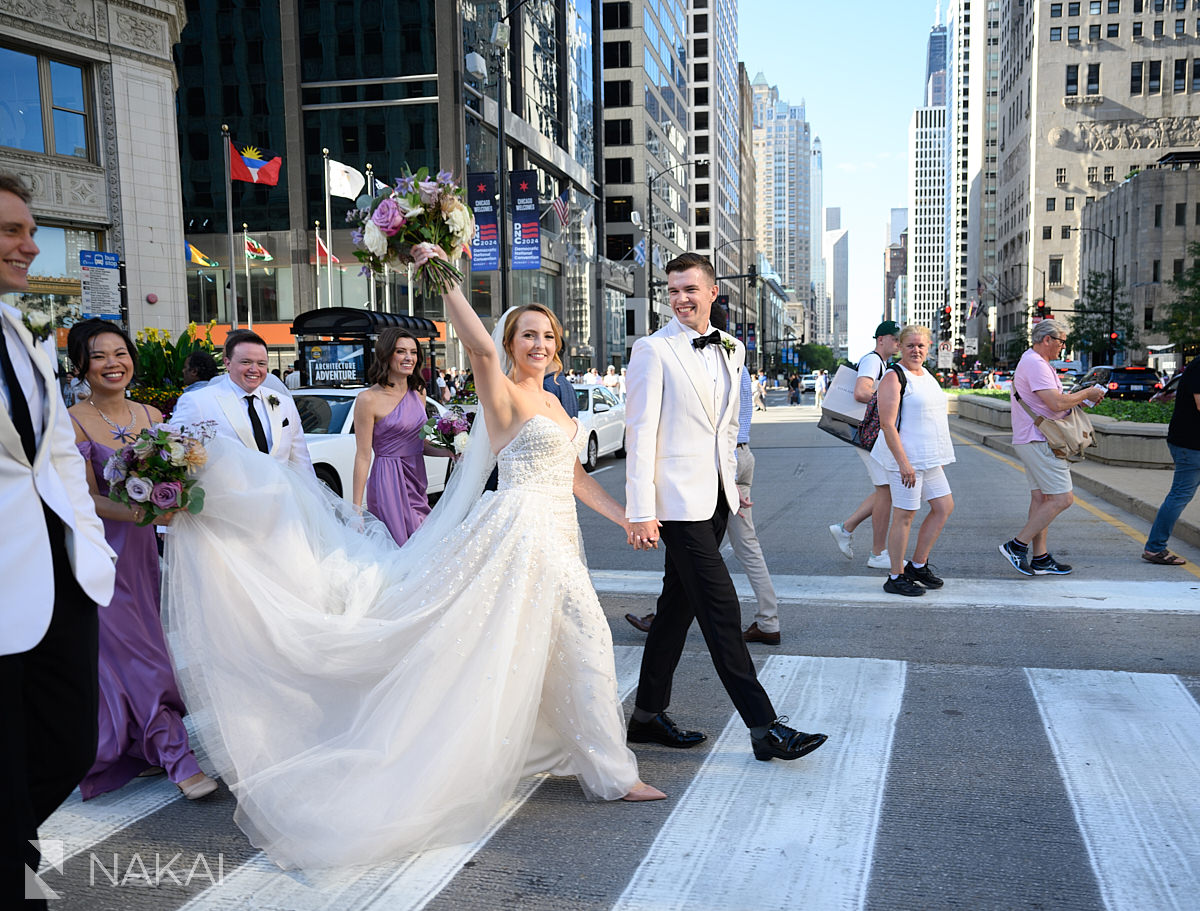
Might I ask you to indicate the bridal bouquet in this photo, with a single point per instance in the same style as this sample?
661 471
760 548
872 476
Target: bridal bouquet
419 209
152 471
449 430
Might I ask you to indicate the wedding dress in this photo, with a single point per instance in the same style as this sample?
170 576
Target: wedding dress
371 701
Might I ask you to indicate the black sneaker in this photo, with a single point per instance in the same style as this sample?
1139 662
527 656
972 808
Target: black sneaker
924 575
1046 565
1018 558
902 586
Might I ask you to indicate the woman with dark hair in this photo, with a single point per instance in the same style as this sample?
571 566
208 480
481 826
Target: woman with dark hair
388 418
141 712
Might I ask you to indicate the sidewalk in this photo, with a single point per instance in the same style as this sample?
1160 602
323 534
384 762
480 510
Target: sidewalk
1137 490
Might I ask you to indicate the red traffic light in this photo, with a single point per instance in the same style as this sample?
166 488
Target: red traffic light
1113 336
947 311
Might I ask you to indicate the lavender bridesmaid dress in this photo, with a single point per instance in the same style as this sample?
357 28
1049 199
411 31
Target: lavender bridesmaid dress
397 483
141 712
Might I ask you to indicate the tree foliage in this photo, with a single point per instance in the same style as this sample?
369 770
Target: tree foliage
1182 325
1103 306
818 357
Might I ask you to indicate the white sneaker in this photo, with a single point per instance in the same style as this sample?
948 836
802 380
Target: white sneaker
880 561
842 539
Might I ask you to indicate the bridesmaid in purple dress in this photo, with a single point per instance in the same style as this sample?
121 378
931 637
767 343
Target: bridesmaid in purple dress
141 713
388 418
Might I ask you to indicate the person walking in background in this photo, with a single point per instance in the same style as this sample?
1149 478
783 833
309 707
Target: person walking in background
760 392
141 712
1183 439
1036 387
292 378
878 504
820 387
914 446
793 390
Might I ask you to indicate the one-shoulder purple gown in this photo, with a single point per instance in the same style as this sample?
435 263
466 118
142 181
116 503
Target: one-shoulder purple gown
141 712
396 487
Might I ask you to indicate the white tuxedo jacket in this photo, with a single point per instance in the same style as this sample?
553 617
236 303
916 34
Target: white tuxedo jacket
225 403
674 437
57 478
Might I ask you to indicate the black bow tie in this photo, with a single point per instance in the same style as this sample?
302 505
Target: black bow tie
712 338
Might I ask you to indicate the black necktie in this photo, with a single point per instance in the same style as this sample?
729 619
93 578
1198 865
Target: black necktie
260 436
19 407
711 339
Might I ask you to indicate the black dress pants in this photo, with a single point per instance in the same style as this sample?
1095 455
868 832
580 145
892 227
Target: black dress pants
696 584
48 715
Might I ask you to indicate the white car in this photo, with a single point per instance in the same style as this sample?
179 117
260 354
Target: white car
327 414
602 418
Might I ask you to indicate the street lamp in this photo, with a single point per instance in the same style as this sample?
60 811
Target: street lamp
1110 353
650 178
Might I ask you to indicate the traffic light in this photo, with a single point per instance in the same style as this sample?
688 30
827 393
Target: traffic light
752 275
723 302
945 327
1114 338
1042 310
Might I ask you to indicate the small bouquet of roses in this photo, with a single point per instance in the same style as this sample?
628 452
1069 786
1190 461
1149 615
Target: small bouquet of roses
449 430
152 471
419 209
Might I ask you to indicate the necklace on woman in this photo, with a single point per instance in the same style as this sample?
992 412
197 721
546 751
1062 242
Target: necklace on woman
121 433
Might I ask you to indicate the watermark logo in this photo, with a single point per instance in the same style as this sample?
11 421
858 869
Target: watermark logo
117 870
53 853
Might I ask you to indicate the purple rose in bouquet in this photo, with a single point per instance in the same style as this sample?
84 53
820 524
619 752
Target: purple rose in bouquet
139 489
166 494
388 216
430 191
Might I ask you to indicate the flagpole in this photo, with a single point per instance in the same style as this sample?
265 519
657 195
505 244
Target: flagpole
231 285
249 296
328 229
371 192
318 224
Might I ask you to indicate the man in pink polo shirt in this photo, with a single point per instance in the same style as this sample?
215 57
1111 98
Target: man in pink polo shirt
1037 385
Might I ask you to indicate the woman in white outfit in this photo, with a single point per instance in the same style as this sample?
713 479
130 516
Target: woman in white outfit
913 454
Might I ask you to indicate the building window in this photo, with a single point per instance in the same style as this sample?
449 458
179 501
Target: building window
700 47
1158 215
617 54
1072 9
1135 77
618 132
1158 28
1072 87
1196 74
702 72
1180 214
700 23
1072 32
618 93
1108 173
1093 79
1179 28
1056 34
1177 269
703 240
701 145
1060 176
618 246
617 209
1198 213
1137 30
1094 7
1114 6
700 97
1154 84
1051 202
1156 271
1054 270
1055 10
1180 5
1138 5
1069 203
1094 32
618 170
1159 5
48 108
619 15
1066 232
1047 232
1148 319
1113 30
1180 84
1091 174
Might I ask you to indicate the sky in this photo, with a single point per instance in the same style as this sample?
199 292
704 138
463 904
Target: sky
859 68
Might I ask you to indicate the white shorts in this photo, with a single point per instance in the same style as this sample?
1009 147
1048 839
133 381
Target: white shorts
931 484
1043 469
879 475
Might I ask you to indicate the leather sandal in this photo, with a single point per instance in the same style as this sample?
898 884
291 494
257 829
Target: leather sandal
1163 558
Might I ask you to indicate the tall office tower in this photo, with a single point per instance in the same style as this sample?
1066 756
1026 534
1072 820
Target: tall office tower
818 297
896 224
715 194
747 223
836 243
927 216
782 153
895 264
647 168
935 68
972 85
1091 94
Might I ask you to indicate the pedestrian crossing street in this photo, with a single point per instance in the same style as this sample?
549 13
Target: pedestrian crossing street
1119 751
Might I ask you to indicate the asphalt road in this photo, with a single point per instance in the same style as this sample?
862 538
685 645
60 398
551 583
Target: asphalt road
1003 743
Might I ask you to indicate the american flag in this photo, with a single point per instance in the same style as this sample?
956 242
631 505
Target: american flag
560 208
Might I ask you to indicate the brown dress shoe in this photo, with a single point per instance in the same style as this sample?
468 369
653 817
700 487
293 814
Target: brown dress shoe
754 634
640 623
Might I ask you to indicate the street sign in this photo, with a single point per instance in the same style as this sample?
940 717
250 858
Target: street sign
101 284
945 355
971 346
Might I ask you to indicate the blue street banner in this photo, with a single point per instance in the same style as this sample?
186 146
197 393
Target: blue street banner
481 197
751 337
527 239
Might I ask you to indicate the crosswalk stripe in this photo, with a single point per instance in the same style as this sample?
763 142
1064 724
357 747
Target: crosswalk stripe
1128 748
404 885
1057 593
768 832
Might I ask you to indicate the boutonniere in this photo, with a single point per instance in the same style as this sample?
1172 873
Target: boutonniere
273 401
728 345
38 323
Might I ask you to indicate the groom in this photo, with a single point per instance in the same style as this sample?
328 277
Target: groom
681 424
243 409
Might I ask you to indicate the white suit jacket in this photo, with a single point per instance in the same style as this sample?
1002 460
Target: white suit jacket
674 437
224 402
57 478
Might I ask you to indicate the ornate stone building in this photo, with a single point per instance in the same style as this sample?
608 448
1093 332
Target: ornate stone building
87 120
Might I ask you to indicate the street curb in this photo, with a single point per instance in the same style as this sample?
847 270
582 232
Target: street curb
1001 441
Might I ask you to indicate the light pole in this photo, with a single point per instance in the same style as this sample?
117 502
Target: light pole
652 176
1109 351
741 275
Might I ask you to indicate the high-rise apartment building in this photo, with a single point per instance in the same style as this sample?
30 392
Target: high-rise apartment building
782 158
1091 93
895 264
818 295
925 286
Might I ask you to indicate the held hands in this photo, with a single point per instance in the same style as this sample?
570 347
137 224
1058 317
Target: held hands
643 535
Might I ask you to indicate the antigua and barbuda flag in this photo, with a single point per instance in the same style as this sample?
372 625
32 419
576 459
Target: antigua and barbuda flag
254 165
196 258
255 250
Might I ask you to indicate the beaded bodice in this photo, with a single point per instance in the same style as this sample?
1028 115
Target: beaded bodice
541 457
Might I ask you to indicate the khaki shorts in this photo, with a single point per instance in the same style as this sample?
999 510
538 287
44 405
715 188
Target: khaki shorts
1045 471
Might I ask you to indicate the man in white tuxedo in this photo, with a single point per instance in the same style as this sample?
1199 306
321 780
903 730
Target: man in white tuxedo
57 568
242 410
681 414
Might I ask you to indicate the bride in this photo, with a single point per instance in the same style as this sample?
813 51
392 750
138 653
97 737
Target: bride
368 702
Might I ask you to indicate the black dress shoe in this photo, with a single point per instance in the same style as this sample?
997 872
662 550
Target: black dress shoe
640 623
661 729
754 634
782 742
